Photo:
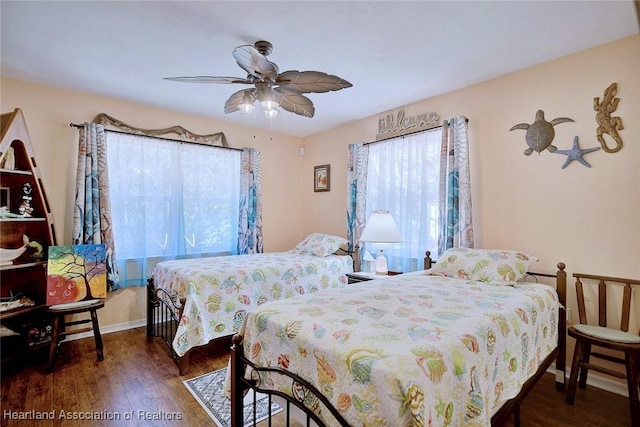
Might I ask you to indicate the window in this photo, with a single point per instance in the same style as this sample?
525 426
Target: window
170 199
403 177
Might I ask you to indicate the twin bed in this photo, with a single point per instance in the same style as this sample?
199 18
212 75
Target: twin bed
459 344
191 302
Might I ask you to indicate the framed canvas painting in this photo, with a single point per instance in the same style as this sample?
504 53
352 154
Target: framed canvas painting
76 273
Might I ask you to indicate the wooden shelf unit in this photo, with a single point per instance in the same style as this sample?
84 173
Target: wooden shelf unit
25 276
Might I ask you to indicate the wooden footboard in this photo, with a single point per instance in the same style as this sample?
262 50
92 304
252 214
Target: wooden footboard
308 399
164 311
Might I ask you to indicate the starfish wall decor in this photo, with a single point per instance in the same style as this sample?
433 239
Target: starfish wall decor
576 153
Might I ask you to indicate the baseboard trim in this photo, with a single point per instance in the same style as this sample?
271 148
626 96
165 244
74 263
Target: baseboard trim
607 384
109 329
598 381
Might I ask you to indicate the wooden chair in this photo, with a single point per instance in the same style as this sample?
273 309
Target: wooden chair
616 338
59 327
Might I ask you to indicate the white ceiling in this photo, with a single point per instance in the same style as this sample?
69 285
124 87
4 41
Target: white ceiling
393 52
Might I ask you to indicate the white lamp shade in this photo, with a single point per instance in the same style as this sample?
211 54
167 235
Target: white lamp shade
381 228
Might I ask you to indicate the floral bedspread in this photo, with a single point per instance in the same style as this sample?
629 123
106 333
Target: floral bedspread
220 290
408 350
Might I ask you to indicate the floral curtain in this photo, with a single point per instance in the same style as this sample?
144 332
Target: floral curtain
456 225
250 219
357 164
92 208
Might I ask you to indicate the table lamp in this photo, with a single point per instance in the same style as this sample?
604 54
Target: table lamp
381 228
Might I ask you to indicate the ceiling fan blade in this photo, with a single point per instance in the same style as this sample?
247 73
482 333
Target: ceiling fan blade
210 79
294 102
255 63
311 81
234 101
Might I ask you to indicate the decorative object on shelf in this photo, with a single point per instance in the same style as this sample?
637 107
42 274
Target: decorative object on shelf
39 332
76 273
272 89
322 178
15 301
4 213
7 256
8 159
606 123
25 208
36 251
391 126
381 228
6 332
540 133
576 153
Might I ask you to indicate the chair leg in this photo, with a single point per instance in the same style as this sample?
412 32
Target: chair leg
586 355
573 377
632 384
53 347
96 335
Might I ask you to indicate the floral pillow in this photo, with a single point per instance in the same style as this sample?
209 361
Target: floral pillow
320 244
485 265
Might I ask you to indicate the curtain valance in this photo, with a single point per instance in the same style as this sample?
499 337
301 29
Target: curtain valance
213 139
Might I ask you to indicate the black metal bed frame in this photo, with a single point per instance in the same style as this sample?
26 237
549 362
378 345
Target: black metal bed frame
307 398
164 311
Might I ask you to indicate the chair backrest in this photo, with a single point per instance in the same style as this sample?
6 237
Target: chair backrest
603 282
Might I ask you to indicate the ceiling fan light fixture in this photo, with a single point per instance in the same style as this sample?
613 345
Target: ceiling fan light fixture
273 89
247 106
269 105
271 113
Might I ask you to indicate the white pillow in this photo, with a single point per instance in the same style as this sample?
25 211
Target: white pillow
320 244
485 265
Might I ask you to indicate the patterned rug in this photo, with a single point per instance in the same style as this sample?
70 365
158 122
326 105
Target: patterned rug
208 391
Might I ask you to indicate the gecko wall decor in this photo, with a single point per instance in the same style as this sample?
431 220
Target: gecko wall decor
607 124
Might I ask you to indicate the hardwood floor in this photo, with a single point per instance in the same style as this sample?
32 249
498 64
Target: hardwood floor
138 375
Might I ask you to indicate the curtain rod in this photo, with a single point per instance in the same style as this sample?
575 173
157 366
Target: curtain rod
407 134
74 125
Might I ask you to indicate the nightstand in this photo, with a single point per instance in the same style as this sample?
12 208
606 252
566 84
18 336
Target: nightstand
362 276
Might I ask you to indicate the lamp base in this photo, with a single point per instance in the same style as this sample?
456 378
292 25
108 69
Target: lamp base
381 264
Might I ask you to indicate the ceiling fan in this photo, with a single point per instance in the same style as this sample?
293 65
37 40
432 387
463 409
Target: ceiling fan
271 87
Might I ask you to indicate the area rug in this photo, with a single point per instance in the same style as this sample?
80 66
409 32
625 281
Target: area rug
208 391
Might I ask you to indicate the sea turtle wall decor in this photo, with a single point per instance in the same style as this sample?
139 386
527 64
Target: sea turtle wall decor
606 123
540 133
576 153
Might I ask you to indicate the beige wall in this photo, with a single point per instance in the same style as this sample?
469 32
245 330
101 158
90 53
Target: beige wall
588 218
585 217
48 112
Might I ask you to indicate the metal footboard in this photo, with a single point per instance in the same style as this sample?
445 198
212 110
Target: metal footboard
164 311
308 400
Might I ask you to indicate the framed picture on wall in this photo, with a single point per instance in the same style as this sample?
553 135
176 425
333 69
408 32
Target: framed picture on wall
322 178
